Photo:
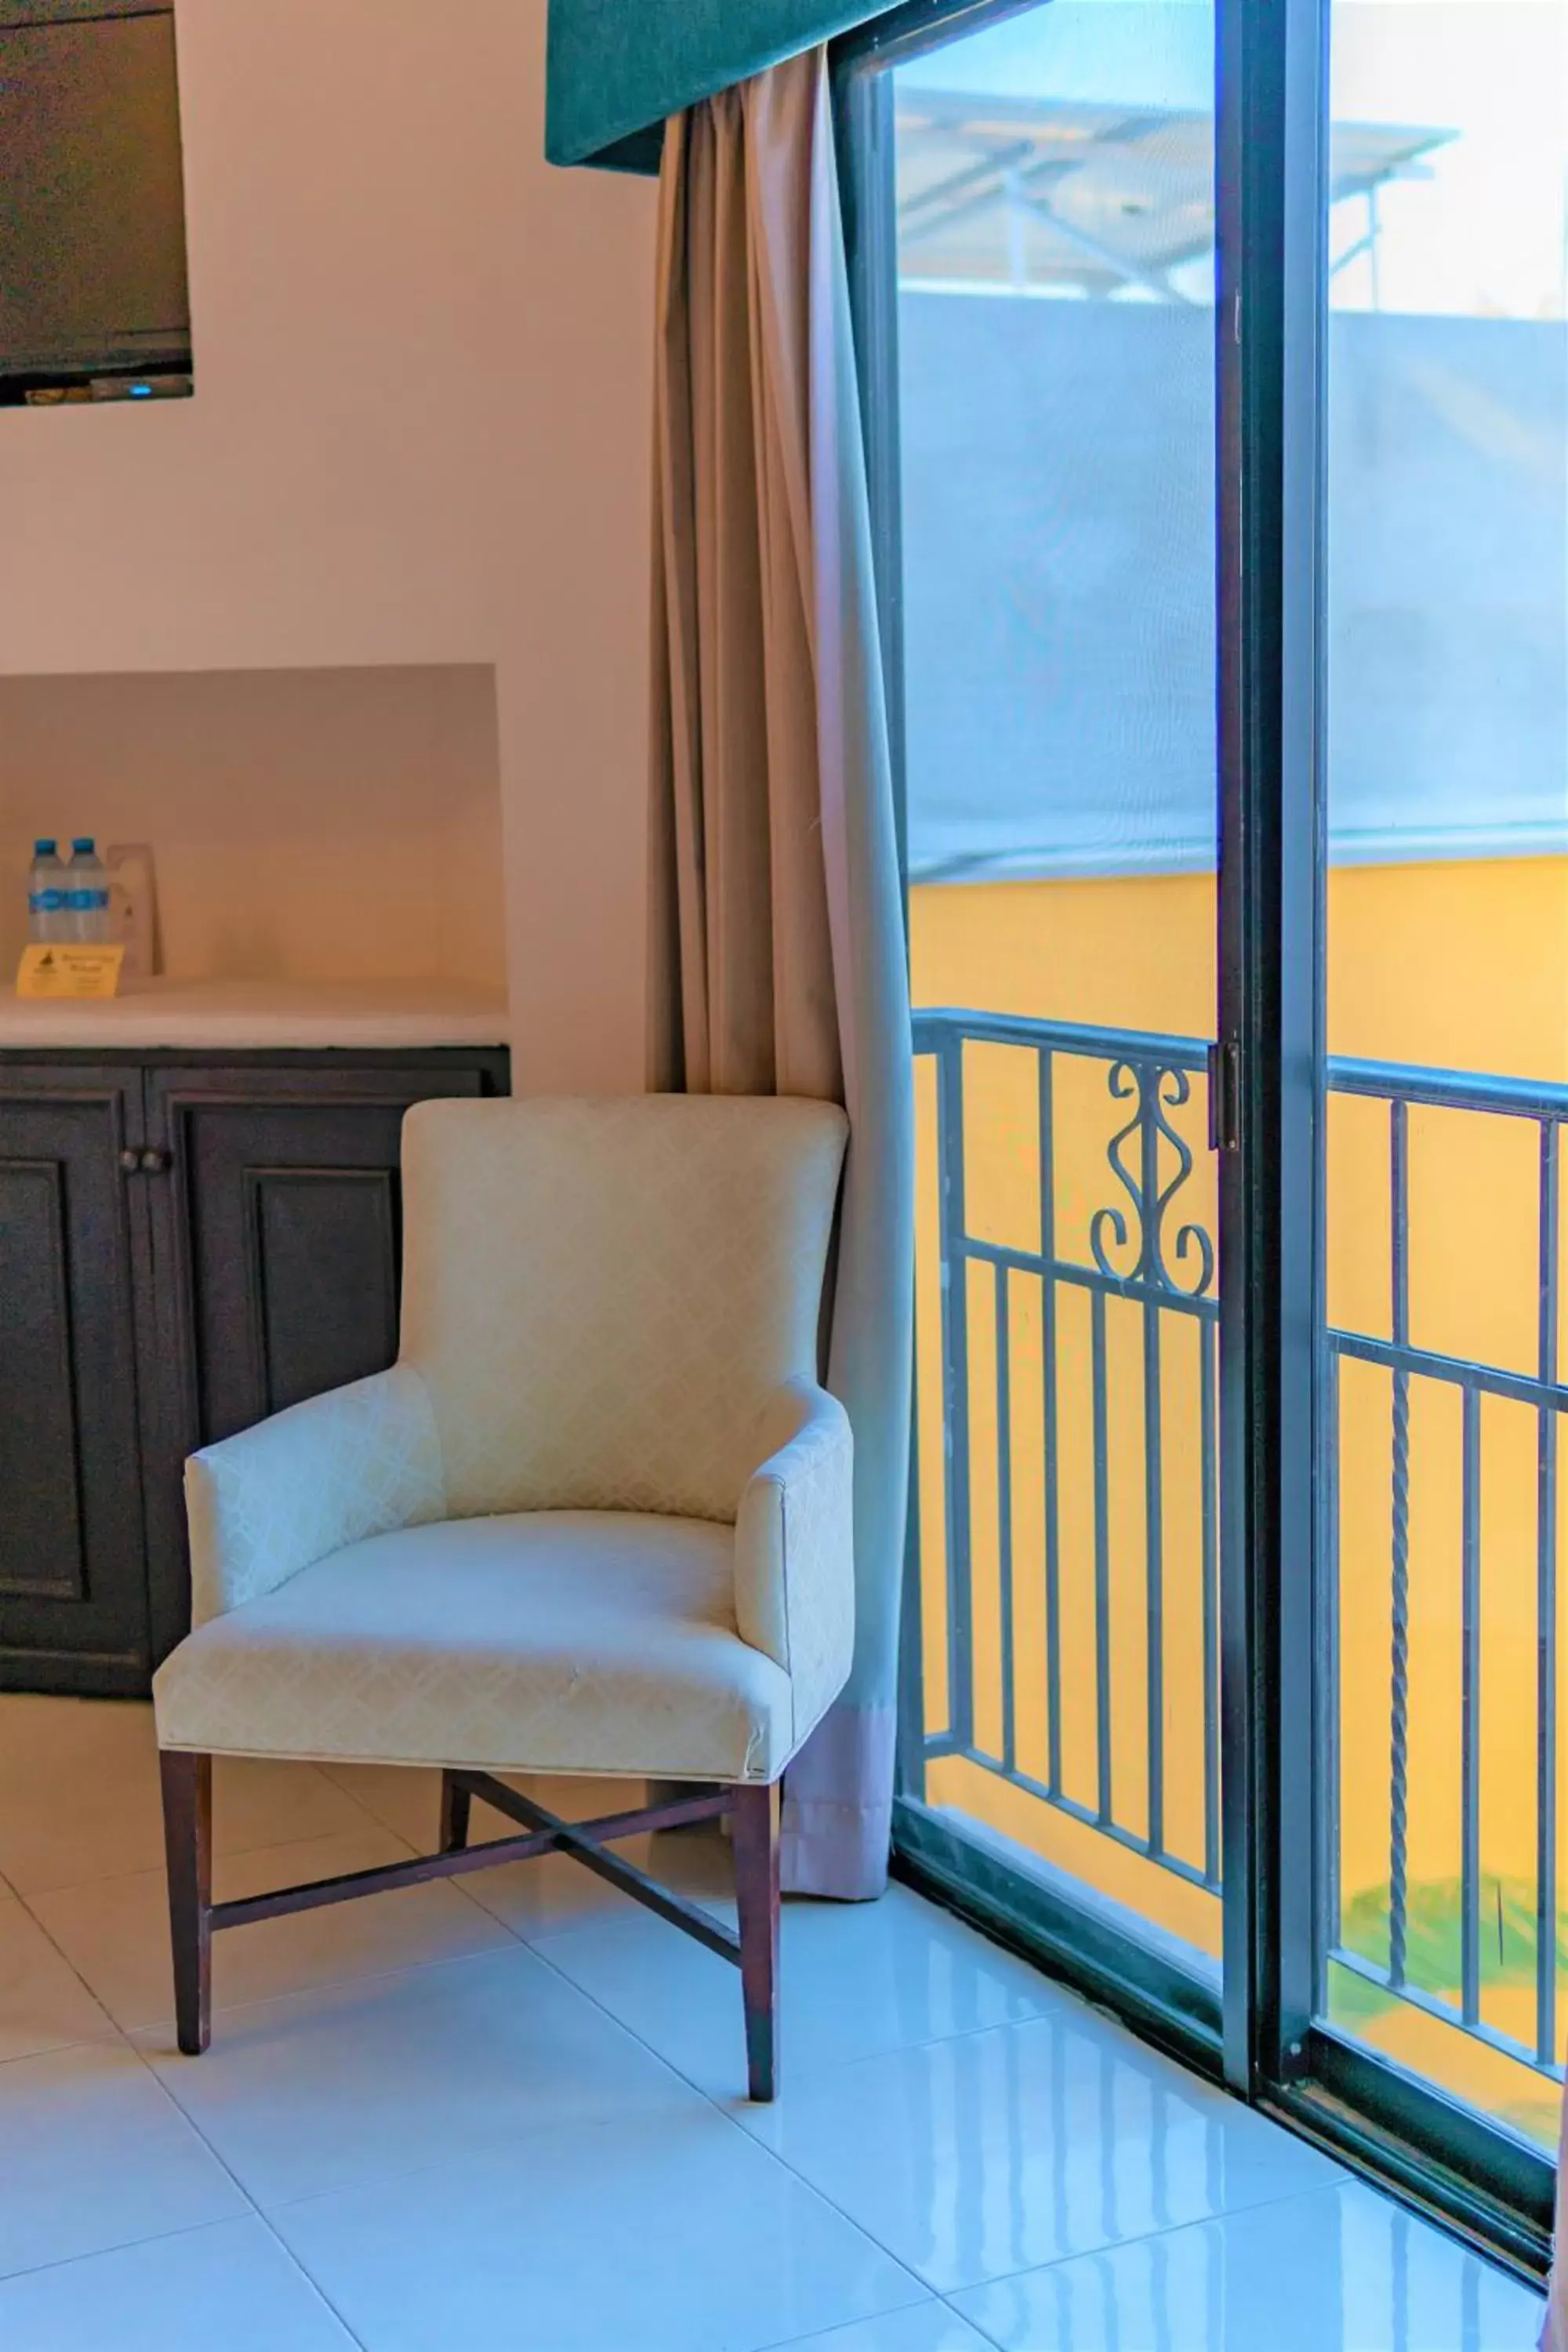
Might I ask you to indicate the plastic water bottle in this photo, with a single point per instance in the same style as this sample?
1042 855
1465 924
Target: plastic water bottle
48 923
87 896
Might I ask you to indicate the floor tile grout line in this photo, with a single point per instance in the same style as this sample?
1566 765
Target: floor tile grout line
118 2037
782 2162
834 2066
230 1853
923 2295
977 2287
429 2170
116 2029
751 2138
303 1764
123 2041
368 1811
1222 2218
641 2040
837 2326
254 2209
339 1984
992 2343
155 1870
125 2246
311 2281
932 2042
609 2123
457 1883
403 2172
812 2189
1227 2215
235 2008
817 2191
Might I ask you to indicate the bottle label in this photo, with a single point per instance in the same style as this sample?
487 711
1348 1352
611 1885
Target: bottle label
47 902
84 902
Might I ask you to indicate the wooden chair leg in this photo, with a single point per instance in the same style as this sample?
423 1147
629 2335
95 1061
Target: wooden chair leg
188 1845
454 1803
755 1835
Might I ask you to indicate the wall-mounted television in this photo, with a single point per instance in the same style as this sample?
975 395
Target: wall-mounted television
93 296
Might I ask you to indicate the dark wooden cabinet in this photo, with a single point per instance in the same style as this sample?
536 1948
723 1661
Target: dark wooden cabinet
186 1244
73 1552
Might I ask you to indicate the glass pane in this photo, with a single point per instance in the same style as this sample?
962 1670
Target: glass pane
1448 1031
1056 256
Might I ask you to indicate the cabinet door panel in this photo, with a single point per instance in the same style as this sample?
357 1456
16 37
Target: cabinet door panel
285 1207
276 1238
73 1589
323 1255
41 1550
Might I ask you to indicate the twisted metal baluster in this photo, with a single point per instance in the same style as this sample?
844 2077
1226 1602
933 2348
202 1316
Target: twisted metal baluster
954 1232
1152 1207
1546 1618
1399 1660
1048 1342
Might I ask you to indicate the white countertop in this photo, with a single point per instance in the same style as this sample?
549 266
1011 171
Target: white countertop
257 1014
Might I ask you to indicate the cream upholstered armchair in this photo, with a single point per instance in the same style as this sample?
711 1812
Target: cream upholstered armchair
596 1519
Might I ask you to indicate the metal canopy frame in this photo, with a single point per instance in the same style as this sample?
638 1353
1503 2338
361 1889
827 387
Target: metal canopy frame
1096 199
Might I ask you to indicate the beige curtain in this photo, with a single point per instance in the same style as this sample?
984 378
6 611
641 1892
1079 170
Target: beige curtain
1555 2335
777 948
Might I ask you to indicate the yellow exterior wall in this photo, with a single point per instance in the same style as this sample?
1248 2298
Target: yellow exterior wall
1464 966
1455 965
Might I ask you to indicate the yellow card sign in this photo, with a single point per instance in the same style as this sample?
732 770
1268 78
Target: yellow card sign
70 971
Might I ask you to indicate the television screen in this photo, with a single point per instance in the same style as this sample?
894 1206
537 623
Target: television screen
93 301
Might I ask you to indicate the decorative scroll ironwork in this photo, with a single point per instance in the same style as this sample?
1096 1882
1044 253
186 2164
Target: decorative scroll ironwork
1156 1087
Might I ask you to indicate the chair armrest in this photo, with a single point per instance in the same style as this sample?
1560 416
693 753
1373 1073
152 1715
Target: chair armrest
354 1463
795 1549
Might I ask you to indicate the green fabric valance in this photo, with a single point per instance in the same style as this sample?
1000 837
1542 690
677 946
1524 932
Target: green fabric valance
617 68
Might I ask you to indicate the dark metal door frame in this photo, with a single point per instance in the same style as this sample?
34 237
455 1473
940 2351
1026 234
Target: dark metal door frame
1271 142
1270 222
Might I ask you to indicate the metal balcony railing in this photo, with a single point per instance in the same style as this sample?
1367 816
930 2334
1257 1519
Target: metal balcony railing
1544 1108
1146 1246
1165 1274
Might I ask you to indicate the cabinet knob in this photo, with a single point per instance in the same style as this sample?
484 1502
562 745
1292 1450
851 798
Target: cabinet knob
129 1161
153 1163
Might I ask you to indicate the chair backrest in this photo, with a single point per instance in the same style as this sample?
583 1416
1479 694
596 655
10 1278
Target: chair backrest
603 1297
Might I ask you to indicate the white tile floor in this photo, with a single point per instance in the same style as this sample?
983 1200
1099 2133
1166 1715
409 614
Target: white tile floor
502 2117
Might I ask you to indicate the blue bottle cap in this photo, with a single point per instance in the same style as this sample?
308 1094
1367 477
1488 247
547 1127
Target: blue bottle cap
44 848
83 842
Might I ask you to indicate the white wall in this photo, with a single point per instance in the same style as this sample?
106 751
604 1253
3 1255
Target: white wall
307 823
419 435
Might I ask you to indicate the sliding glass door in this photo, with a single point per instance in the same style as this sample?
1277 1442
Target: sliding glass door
1446 966
1053 245
1214 366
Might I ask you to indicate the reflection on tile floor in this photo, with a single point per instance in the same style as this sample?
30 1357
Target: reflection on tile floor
514 2124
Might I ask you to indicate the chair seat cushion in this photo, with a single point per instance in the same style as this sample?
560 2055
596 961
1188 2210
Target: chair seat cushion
548 1641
